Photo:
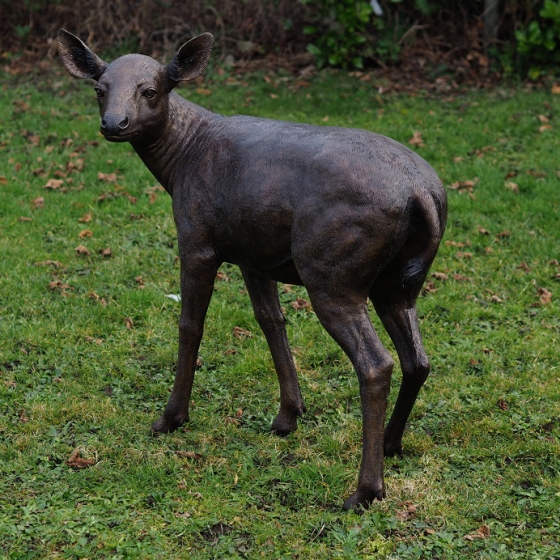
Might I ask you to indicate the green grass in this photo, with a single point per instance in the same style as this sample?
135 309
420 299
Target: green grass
88 348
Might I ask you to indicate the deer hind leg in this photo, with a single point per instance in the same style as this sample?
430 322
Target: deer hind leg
347 321
401 322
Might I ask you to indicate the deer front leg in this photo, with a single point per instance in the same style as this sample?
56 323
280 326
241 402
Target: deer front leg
264 297
197 283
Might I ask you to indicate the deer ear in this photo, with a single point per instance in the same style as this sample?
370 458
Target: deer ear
78 59
191 59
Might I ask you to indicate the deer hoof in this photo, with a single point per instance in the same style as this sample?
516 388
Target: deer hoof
284 424
165 424
363 498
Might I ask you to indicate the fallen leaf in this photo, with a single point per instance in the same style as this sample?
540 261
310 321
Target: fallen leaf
429 288
3 180
54 184
98 298
543 119
107 177
58 285
85 233
222 276
496 299
129 322
440 276
545 127
85 218
461 278
523 266
77 461
189 455
459 244
107 253
300 303
38 202
555 89
503 404
483 231
408 511
463 255
23 417
239 332
483 532
273 96
416 139
54 264
25 219
514 187
82 250
545 296
463 186
203 91
184 515
458 159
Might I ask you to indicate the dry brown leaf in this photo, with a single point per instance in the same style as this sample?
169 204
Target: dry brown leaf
25 219
189 455
222 276
483 231
107 253
98 298
129 322
300 303
3 180
463 186
503 234
85 233
523 266
82 250
273 96
58 285
416 139
440 276
483 532
38 202
203 91
239 332
461 278
545 296
463 255
77 461
54 264
513 187
545 127
543 119
407 512
86 218
503 404
429 288
107 177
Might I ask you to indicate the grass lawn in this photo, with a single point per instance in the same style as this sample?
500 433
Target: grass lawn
89 342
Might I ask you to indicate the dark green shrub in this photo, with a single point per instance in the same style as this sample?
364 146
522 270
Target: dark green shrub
538 42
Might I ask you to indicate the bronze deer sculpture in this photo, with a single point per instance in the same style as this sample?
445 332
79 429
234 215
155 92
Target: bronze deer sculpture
349 214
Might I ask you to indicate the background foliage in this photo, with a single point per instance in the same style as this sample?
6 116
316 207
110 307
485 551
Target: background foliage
525 37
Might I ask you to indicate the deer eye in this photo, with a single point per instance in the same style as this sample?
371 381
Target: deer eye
99 92
150 93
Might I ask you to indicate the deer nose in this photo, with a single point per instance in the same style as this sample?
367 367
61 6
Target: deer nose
113 124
